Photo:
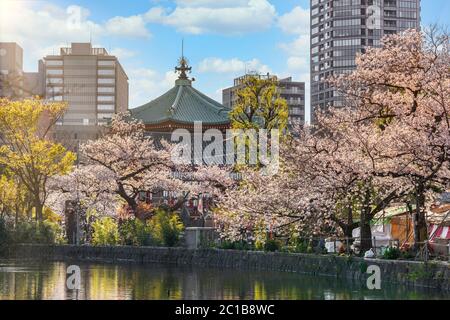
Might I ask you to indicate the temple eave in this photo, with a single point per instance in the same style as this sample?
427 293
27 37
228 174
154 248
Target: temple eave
172 125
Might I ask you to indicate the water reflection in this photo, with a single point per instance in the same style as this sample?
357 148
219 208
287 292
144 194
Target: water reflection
34 280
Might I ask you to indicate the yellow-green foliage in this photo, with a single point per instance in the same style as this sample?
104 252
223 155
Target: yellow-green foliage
134 232
26 150
7 194
260 235
166 228
106 232
259 106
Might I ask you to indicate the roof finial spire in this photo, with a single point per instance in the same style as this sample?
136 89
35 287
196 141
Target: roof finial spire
183 65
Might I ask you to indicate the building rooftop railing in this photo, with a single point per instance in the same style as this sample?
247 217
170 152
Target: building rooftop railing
93 51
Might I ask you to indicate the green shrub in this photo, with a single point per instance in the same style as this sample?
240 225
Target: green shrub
24 233
105 232
235 245
272 245
166 228
226 244
32 232
50 232
392 253
46 232
5 234
407 254
134 232
297 246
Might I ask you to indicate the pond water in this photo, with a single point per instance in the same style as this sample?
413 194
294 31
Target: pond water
20 280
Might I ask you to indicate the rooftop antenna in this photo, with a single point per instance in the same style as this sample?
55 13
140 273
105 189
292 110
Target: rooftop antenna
182 47
183 67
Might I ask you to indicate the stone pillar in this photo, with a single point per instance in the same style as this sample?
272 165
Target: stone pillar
197 237
70 221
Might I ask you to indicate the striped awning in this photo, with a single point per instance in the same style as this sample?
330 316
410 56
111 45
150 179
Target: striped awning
439 232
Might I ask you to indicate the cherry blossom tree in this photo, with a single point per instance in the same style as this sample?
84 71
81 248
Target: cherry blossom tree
125 162
388 144
404 89
326 182
116 168
341 158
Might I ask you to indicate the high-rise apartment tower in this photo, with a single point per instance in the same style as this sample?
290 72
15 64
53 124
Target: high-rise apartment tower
342 28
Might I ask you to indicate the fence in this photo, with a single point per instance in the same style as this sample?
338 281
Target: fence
428 250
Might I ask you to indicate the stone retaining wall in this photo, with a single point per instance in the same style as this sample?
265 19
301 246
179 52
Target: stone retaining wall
432 275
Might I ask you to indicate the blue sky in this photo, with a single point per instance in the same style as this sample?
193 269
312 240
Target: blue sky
222 38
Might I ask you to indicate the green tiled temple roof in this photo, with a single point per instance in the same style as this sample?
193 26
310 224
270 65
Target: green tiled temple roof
182 104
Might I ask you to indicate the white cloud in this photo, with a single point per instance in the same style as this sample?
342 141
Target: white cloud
298 54
38 25
221 17
234 66
299 46
147 84
123 53
297 63
211 3
133 26
296 21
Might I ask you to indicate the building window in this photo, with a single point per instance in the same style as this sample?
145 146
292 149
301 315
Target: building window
105 116
57 98
55 80
295 111
54 62
106 62
106 72
107 81
54 71
105 107
105 98
105 89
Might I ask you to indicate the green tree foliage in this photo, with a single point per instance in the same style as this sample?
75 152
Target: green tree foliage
135 232
46 232
259 105
4 233
25 149
166 228
105 232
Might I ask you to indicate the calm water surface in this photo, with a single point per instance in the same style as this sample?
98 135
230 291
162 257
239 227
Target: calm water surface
37 280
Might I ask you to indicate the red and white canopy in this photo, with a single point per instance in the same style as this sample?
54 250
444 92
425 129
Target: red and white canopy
439 232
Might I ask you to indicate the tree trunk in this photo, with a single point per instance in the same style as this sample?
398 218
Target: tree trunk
16 216
348 231
39 208
365 233
130 200
364 225
419 220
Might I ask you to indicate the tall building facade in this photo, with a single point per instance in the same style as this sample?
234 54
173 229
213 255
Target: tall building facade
292 91
94 85
11 70
14 82
342 28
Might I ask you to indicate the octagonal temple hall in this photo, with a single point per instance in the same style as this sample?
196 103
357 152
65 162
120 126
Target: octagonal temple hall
180 107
